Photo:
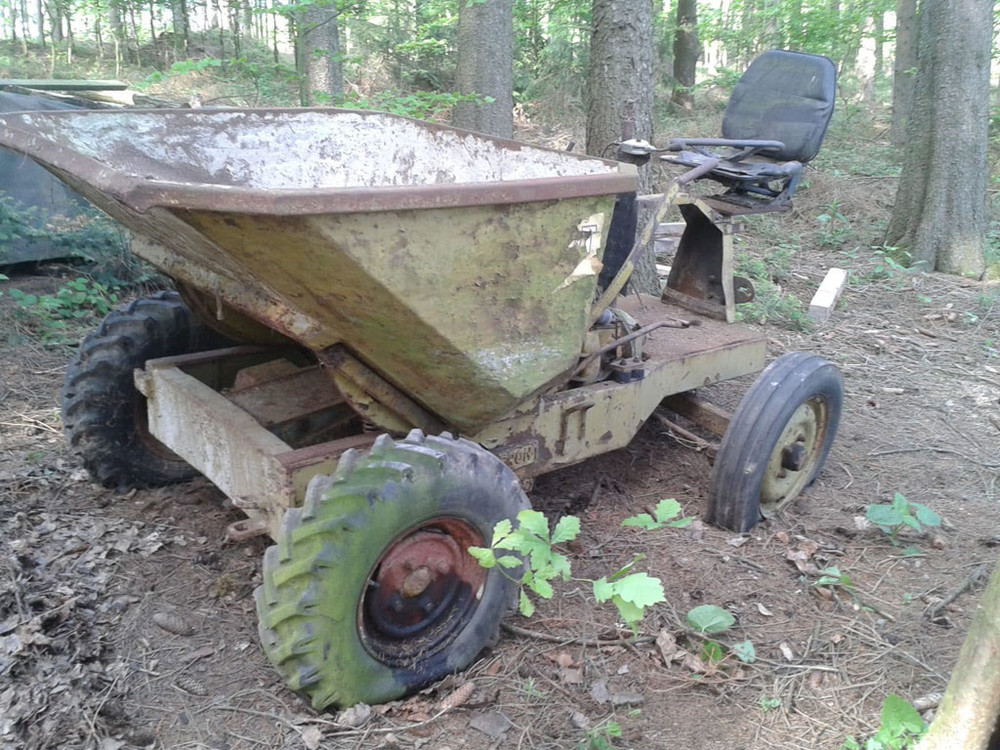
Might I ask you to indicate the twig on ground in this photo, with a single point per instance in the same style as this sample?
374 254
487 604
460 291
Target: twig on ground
933 610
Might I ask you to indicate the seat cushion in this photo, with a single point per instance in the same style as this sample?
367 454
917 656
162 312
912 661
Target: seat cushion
784 96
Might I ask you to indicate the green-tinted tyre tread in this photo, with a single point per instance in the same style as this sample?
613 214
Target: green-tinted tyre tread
103 413
756 427
326 552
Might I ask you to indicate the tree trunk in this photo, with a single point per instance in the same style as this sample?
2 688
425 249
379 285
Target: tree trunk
903 69
55 20
940 215
40 20
486 66
686 53
318 53
179 20
967 717
620 87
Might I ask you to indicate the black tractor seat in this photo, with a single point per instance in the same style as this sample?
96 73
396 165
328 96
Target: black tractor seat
774 124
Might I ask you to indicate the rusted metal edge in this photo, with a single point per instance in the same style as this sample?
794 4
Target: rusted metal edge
143 194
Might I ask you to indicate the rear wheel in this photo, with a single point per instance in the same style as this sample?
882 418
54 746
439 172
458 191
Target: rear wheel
777 441
370 592
104 415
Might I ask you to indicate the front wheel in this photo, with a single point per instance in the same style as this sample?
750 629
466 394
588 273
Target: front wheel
777 441
370 591
104 415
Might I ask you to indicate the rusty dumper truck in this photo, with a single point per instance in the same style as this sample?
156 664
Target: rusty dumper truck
383 330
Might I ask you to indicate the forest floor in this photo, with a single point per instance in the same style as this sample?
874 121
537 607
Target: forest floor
84 570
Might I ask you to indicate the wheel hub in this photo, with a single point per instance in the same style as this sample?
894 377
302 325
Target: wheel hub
423 590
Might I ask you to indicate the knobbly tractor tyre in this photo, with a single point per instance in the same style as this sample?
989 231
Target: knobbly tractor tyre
104 415
777 441
370 592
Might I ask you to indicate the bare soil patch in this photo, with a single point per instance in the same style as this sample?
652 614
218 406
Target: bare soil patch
125 621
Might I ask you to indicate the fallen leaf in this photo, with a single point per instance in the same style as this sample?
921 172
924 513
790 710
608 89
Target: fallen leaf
816 679
693 663
782 537
491 723
786 651
599 691
562 658
667 644
579 720
696 530
623 669
802 560
571 676
764 610
738 541
627 698
356 716
201 653
312 737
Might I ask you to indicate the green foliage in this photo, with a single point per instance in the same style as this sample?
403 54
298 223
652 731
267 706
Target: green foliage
769 704
665 510
835 229
423 105
900 514
745 651
833 577
539 564
709 618
902 728
771 304
601 737
79 300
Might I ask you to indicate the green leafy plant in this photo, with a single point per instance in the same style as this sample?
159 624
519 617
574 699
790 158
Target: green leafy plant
835 229
902 728
769 704
601 737
900 514
833 577
709 619
536 564
77 300
664 511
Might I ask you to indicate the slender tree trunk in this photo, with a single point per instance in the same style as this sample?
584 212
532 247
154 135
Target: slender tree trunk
686 53
40 20
318 53
486 66
903 69
55 20
179 21
940 215
620 87
967 717
24 26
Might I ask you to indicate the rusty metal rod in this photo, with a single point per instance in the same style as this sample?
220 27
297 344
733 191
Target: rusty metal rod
711 449
634 335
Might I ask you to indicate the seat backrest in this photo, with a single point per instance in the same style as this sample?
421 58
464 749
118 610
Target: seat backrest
783 96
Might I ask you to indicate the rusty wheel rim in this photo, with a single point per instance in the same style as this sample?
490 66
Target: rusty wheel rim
422 592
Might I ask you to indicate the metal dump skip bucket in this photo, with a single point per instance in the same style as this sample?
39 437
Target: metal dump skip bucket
458 266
